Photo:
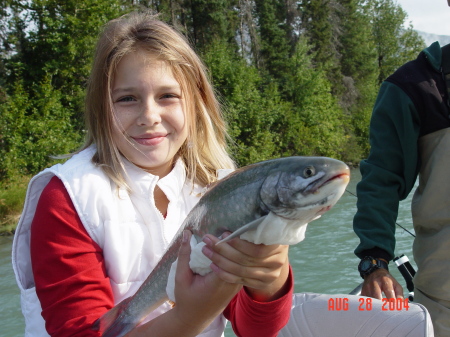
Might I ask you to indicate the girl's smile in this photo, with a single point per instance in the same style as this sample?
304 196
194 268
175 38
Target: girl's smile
150 139
149 111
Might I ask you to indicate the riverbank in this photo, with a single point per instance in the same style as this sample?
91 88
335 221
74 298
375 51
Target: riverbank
12 196
8 229
8 224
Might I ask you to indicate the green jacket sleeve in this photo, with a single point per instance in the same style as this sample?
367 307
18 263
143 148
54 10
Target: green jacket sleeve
390 171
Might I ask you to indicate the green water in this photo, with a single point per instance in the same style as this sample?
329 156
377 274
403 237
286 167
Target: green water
323 263
10 314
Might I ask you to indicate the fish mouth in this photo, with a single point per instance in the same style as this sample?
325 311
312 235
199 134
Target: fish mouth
344 176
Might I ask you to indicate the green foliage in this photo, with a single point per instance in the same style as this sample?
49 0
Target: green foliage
321 20
211 21
263 124
47 56
251 113
295 78
12 196
387 19
56 39
360 81
33 129
275 47
314 124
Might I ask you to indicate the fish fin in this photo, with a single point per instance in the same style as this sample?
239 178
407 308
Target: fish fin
251 225
110 325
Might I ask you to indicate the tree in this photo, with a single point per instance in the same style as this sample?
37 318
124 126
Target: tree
60 44
212 20
248 40
388 18
360 72
252 107
34 126
322 25
275 48
314 124
47 63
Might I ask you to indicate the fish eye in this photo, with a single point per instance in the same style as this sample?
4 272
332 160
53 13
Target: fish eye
309 171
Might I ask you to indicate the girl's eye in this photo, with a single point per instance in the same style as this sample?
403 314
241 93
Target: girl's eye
166 96
125 99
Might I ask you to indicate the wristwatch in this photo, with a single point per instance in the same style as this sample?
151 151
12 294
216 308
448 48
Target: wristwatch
369 264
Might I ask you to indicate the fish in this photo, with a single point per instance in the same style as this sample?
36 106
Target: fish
289 190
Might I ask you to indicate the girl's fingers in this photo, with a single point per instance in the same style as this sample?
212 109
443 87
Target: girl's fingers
243 246
242 262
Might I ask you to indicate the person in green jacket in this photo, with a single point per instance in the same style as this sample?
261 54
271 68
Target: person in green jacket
409 138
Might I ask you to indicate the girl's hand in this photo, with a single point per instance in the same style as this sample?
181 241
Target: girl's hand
262 269
199 299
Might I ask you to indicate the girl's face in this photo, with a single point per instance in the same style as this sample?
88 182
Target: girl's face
149 108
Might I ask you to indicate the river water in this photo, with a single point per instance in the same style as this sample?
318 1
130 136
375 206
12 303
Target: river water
323 263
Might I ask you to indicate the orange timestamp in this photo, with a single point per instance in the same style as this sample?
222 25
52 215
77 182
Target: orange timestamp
366 304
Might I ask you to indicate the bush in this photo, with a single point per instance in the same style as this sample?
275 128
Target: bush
12 196
33 127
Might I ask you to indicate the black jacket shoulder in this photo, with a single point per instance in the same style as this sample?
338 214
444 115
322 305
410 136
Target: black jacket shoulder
427 90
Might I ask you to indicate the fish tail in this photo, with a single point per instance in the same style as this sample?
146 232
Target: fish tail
112 323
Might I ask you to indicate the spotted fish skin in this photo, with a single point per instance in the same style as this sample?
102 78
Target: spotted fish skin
292 188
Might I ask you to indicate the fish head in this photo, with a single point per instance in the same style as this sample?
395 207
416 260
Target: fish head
304 187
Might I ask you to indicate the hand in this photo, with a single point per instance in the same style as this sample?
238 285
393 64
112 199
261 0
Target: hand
199 298
262 269
381 281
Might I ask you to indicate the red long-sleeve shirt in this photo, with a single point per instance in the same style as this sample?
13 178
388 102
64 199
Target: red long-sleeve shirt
74 289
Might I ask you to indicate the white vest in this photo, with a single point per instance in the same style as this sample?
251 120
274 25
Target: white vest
131 231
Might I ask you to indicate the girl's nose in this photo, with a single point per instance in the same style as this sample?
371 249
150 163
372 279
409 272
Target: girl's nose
150 114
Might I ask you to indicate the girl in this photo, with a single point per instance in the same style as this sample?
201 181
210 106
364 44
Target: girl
93 228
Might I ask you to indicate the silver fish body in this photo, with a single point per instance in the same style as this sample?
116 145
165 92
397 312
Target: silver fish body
292 188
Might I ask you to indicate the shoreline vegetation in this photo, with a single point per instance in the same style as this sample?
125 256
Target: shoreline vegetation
12 196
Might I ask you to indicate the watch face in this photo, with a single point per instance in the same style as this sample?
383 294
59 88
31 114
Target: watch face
366 264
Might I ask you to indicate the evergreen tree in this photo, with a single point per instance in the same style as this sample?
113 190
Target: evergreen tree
313 125
360 73
275 48
33 126
253 108
46 71
60 44
212 20
322 25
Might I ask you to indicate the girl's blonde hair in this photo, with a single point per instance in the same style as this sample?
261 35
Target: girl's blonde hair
205 149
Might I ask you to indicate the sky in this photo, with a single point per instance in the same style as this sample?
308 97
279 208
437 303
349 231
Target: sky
430 16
